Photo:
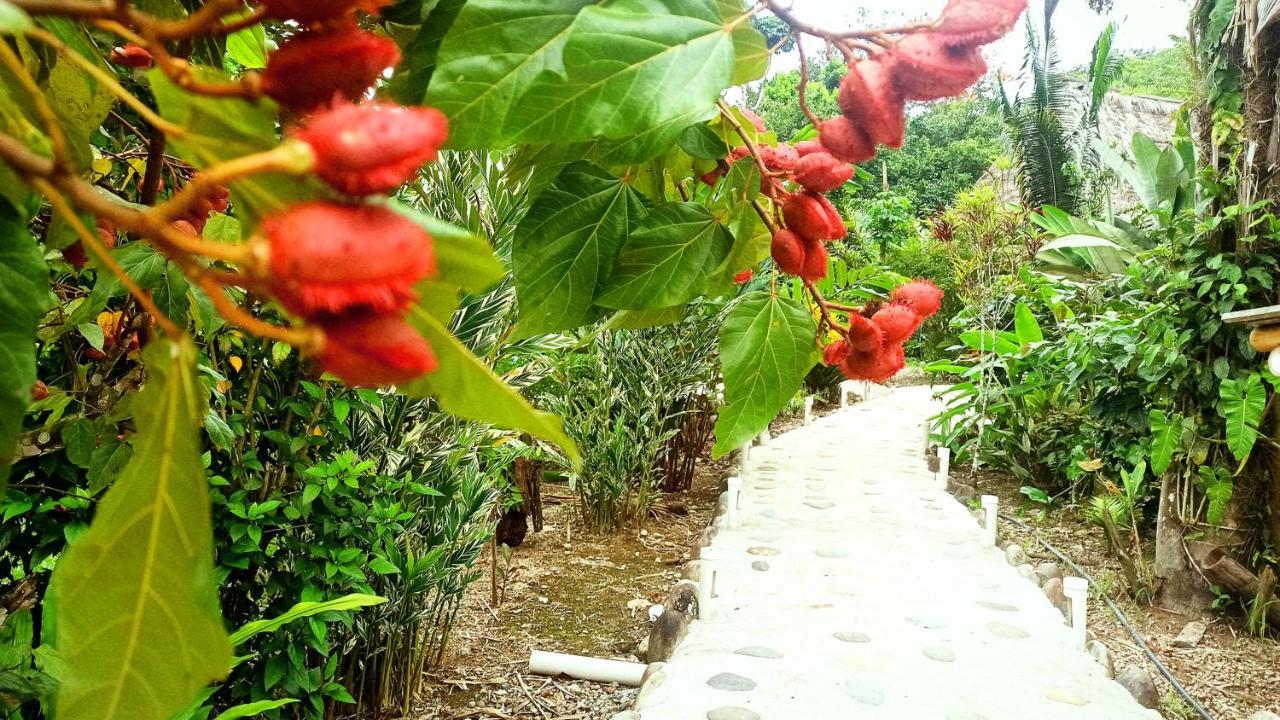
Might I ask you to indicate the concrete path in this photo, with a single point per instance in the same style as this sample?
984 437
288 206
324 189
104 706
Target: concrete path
855 588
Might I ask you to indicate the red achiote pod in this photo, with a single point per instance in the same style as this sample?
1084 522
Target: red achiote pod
875 366
106 232
809 147
373 350
309 11
869 97
813 217
756 121
979 22
39 391
744 277
312 68
864 336
131 56
929 67
835 353
373 148
815 262
780 159
328 258
822 172
75 255
844 139
922 296
898 322
788 252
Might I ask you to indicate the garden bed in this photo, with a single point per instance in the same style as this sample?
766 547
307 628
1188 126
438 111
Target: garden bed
569 591
1230 672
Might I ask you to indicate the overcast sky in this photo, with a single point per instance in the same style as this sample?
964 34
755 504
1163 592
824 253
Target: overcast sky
1144 24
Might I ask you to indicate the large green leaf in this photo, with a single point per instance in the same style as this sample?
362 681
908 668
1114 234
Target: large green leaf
418 65
304 610
647 68
24 297
253 709
1242 404
1166 439
1026 326
668 258
462 259
766 349
490 58
567 245
464 385
1218 486
750 48
138 622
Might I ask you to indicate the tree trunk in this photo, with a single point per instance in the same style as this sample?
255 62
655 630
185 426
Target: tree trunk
1178 586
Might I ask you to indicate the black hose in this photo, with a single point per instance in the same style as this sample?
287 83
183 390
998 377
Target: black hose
1124 620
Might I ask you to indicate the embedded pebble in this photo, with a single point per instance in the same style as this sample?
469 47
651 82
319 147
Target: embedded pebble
762 551
864 691
731 682
998 607
940 654
1007 631
821 505
760 566
852 637
732 713
759 651
834 553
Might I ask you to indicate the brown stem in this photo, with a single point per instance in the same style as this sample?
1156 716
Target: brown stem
304 339
727 113
803 87
155 169
799 25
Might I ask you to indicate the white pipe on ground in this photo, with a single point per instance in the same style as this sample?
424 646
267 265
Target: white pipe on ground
1077 591
731 507
928 436
808 410
585 668
944 468
709 565
765 438
744 459
990 507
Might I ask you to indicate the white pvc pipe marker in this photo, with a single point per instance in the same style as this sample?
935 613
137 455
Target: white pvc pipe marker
744 458
585 668
944 467
928 436
846 387
709 566
991 508
808 410
1077 591
731 507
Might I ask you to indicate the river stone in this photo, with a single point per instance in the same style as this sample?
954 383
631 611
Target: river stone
731 682
732 713
852 637
762 551
760 566
1007 631
864 691
1102 654
1016 555
759 651
998 607
940 654
1140 685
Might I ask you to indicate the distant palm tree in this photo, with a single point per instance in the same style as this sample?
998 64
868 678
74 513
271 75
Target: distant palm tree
1052 130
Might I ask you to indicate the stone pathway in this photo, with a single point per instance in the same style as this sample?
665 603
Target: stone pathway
855 588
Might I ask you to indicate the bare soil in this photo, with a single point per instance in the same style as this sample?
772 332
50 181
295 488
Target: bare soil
566 590
1230 672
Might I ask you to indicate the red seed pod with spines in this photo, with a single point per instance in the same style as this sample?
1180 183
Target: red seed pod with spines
822 172
816 262
835 353
131 56
788 252
313 68
898 322
979 22
844 139
327 258
931 68
870 98
372 148
876 365
813 217
373 350
865 336
922 296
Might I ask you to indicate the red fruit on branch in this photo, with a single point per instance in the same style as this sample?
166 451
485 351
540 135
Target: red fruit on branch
373 148
314 67
788 252
822 172
39 391
875 366
864 336
979 22
131 56
309 11
744 277
869 97
186 227
930 67
898 322
922 296
328 258
809 147
373 350
845 140
106 232
835 353
815 262
756 121
813 217
780 159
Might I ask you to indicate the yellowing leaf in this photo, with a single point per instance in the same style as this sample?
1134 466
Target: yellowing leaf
139 628
237 363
